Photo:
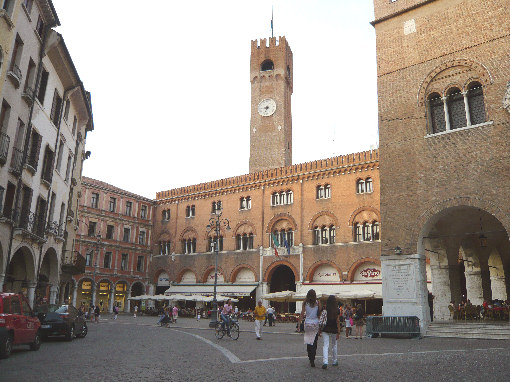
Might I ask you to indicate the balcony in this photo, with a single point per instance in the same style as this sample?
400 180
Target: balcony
29 224
14 74
56 229
28 95
73 264
4 147
16 161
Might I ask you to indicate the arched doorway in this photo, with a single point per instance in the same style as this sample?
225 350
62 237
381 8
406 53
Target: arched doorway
282 278
20 276
469 256
121 294
47 282
103 293
137 289
84 293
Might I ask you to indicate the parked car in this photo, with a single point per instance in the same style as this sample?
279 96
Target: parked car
18 324
61 320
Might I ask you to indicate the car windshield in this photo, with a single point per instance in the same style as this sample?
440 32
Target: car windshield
49 308
62 309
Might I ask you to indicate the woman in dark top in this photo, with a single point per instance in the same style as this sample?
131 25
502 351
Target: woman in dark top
331 331
359 320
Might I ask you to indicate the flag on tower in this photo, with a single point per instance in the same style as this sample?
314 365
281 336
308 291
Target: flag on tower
276 244
286 245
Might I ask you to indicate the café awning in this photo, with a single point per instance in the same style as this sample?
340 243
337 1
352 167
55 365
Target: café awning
208 289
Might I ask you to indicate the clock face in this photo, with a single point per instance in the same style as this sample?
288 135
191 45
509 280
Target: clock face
267 107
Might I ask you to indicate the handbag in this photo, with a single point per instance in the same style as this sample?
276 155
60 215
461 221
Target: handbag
323 319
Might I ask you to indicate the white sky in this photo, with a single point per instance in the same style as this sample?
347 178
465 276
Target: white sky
171 90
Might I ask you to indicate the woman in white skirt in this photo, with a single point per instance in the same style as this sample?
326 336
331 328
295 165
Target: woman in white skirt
312 308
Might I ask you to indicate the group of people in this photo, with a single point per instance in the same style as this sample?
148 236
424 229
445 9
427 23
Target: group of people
324 322
169 315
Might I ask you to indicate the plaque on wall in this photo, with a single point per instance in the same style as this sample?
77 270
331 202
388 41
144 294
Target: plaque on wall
401 284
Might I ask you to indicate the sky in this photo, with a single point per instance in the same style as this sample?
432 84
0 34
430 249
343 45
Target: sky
171 91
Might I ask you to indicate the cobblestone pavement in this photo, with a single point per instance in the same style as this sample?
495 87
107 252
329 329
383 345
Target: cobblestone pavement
130 349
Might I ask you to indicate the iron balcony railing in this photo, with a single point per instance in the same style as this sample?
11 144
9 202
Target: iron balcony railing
30 222
4 147
56 229
17 160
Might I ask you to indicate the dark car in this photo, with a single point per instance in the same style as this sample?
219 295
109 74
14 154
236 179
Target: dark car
61 320
18 324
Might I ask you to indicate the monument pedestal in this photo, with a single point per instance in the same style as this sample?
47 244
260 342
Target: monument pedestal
404 287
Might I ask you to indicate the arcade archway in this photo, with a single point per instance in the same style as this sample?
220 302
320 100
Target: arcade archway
20 276
282 278
469 255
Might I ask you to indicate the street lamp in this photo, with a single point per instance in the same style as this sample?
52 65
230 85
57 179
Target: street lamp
215 223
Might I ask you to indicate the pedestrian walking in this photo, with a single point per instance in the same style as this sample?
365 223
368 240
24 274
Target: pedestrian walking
135 311
270 315
312 308
115 311
359 321
97 313
260 315
175 312
330 332
348 320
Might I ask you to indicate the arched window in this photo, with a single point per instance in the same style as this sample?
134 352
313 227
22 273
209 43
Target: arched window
244 241
332 234
476 103
282 198
211 241
456 109
320 192
266 65
290 197
189 245
360 186
327 191
436 113
375 231
324 235
245 203
358 232
367 232
316 236
368 185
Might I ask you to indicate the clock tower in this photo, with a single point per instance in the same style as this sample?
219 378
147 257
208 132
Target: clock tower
271 118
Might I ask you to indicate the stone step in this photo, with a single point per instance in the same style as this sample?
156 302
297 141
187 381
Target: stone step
500 331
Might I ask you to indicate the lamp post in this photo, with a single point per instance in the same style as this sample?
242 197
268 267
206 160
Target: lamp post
215 223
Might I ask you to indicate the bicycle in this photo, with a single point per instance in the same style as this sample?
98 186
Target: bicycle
220 331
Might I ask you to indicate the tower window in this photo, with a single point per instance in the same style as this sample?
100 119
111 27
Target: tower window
266 65
476 104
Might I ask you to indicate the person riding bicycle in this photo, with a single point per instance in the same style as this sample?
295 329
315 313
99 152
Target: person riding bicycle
225 312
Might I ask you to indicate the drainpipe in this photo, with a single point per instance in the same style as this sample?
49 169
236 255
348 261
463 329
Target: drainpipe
27 142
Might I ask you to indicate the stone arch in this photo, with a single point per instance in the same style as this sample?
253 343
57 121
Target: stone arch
212 233
316 265
357 264
157 273
363 209
426 218
50 266
485 75
188 232
269 271
21 269
242 223
282 216
208 271
240 267
183 271
164 236
321 214
122 281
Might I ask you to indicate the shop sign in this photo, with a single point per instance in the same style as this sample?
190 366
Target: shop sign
104 286
86 285
120 287
163 280
370 273
326 273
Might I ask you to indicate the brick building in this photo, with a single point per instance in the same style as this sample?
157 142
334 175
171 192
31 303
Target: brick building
324 214
114 234
443 73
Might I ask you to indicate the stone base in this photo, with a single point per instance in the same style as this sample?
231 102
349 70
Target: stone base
404 287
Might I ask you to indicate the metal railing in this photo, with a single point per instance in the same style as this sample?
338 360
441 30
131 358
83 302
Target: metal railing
393 325
4 147
30 222
56 229
17 160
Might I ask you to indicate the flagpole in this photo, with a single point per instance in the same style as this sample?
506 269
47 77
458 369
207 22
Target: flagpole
272 22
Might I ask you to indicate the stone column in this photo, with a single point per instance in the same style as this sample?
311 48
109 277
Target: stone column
262 289
446 114
474 286
94 287
2 279
466 107
53 294
31 294
127 305
404 287
112 300
75 294
497 277
441 291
